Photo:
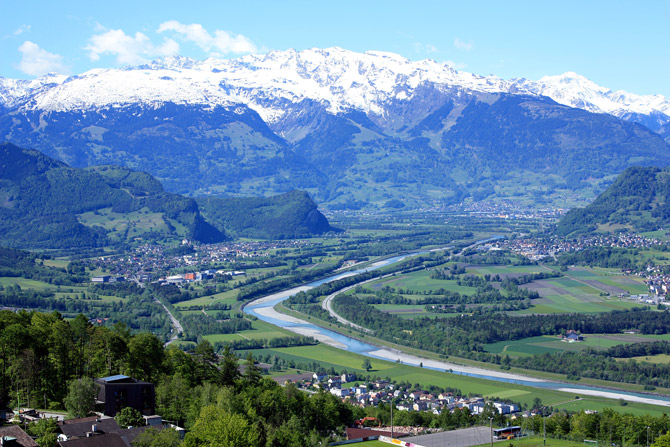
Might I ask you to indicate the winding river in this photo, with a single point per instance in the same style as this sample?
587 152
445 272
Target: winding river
263 308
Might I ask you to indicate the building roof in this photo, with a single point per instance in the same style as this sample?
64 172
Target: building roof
107 440
115 378
79 429
14 431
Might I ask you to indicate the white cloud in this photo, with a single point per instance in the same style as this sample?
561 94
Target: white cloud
425 48
128 50
36 61
455 65
462 45
221 43
22 29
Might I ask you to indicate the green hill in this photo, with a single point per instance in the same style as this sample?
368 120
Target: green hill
639 199
47 204
293 214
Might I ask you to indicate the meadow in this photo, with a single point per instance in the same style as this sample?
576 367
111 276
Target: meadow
551 344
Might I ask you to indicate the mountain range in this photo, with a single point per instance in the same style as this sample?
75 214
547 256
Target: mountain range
46 204
355 130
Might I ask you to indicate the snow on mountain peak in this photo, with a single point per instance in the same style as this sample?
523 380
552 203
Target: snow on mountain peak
338 78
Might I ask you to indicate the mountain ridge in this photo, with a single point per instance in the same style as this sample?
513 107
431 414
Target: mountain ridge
343 79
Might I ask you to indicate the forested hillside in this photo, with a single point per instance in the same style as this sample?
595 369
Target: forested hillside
290 215
639 199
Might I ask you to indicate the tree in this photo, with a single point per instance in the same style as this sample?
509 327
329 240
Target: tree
367 366
172 397
662 441
252 373
45 430
218 428
229 369
80 399
153 438
206 360
145 356
129 417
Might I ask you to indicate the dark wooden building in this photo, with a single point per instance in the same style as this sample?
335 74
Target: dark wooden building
117 392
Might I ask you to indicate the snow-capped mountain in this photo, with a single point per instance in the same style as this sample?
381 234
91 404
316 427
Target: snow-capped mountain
354 129
341 80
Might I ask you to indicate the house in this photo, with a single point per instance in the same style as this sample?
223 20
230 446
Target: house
320 377
87 427
348 377
101 440
416 395
340 392
420 406
505 408
572 336
381 384
477 408
335 381
153 421
117 392
14 436
104 278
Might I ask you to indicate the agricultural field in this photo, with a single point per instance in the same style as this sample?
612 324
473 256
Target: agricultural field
572 294
420 282
659 358
59 291
409 311
505 271
260 330
227 297
581 290
27 284
552 344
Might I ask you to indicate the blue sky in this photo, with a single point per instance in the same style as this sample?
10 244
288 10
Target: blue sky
617 44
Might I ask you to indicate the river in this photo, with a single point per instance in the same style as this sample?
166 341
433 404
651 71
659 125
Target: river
263 308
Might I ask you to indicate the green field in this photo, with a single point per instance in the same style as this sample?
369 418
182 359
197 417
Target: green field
567 295
261 330
505 270
227 297
659 358
550 344
419 282
581 290
408 310
25 283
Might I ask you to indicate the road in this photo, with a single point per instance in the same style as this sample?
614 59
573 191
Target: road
176 325
327 304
